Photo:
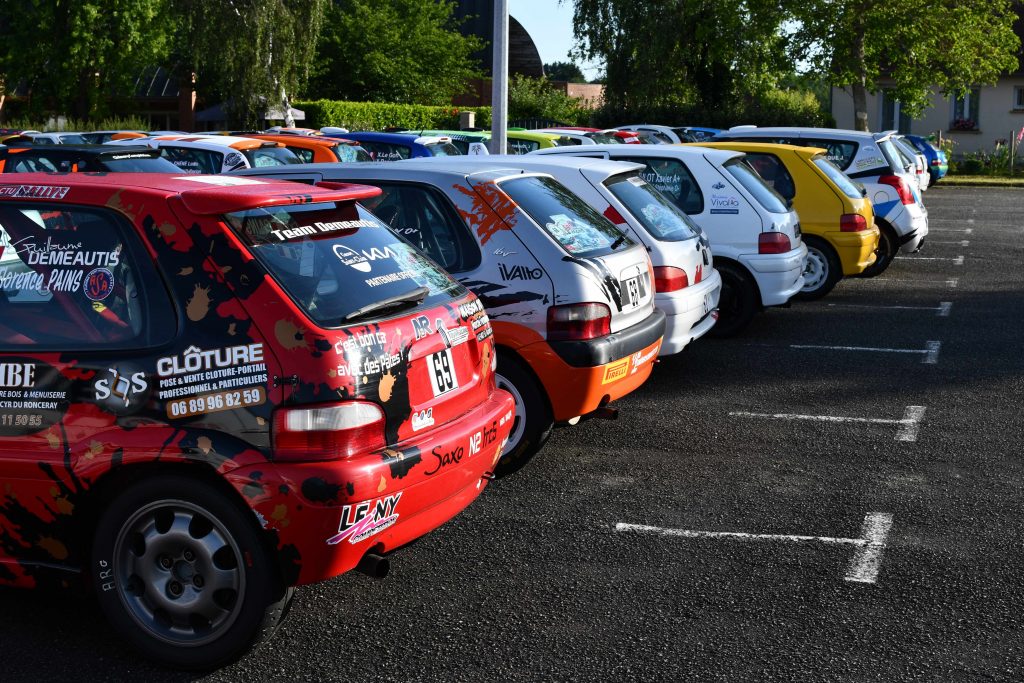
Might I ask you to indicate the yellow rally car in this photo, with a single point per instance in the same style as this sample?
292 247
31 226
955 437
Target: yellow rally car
837 221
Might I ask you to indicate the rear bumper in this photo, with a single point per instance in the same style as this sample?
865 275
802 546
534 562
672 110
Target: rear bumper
856 249
779 276
324 516
914 240
580 377
689 312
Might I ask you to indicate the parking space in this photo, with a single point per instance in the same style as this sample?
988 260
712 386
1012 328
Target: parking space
834 495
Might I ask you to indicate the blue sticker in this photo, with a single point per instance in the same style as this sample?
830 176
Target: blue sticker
99 283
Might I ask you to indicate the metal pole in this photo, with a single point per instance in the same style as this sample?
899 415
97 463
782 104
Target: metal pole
499 79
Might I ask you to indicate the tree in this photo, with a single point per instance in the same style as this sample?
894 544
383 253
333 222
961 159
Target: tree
669 52
917 45
535 98
564 71
253 53
73 56
406 51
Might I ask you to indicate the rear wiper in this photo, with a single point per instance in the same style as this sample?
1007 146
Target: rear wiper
414 297
617 242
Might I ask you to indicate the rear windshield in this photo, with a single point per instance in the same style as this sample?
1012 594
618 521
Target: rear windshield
443 149
604 139
892 156
521 146
656 213
839 152
386 151
260 157
135 163
351 153
844 184
748 178
572 222
334 260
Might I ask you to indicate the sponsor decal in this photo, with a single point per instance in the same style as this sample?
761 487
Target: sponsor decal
422 419
613 372
17 375
699 273
352 258
442 372
123 388
366 519
718 186
136 155
34 191
390 278
451 336
639 358
509 273
868 162
484 334
358 362
502 252
321 228
99 283
212 380
421 327
32 396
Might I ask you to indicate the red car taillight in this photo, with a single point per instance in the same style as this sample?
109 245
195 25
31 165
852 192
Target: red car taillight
773 243
902 189
578 322
613 215
670 279
852 222
327 432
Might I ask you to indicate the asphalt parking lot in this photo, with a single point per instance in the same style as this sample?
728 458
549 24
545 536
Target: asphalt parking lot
834 495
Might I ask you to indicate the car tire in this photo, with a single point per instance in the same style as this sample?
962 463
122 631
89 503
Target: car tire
533 419
182 574
738 302
823 269
888 247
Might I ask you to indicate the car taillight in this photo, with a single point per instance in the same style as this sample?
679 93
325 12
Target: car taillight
670 279
902 189
613 215
935 162
578 322
773 243
852 222
327 432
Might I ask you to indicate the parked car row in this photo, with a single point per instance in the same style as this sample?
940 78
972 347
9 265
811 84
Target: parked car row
234 364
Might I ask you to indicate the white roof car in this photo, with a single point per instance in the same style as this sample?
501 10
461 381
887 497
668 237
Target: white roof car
211 154
57 138
754 234
872 160
686 284
666 134
913 155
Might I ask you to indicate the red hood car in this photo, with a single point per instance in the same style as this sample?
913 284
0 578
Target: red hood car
215 388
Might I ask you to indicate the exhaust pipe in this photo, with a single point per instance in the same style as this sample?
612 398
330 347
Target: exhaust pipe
606 412
374 565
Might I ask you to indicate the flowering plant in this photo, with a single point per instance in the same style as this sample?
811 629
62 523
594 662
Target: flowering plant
964 124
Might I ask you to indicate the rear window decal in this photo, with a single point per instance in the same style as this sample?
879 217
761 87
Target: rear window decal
99 283
34 191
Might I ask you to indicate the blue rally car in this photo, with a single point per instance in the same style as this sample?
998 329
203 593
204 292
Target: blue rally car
395 146
938 164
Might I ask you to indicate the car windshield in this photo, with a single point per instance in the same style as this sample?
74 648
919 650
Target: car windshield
748 178
840 179
386 151
516 146
893 156
572 222
351 153
334 260
261 157
443 149
136 162
604 139
652 209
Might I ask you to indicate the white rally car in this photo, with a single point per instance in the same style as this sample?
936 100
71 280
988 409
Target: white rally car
872 160
754 234
686 285
212 154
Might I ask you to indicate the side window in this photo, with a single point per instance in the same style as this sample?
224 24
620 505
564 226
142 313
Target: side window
839 152
18 163
192 160
773 172
426 219
522 146
77 278
672 179
304 155
385 151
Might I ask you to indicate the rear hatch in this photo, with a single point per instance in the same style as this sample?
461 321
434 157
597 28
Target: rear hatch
397 331
782 221
618 265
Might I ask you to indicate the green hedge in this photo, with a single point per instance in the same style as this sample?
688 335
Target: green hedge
381 115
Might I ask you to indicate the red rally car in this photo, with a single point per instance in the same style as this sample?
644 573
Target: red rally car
213 389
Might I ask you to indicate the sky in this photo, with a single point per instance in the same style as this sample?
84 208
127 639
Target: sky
549 22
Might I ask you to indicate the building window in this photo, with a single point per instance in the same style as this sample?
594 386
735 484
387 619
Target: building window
965 110
1018 97
893 117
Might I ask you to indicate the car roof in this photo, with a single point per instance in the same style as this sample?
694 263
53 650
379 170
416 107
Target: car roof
538 162
743 146
212 140
450 167
307 141
669 151
373 136
90 150
797 130
201 194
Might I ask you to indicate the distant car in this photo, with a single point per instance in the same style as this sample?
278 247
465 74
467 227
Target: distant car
317 149
666 134
98 137
57 138
755 236
836 220
938 163
583 137
396 146
216 153
526 141
917 157
698 133
466 141
872 160
87 159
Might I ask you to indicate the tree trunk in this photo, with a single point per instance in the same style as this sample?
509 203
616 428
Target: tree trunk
860 90
289 120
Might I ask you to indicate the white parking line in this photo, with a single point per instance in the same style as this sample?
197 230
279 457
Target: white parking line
931 356
909 425
942 309
864 566
966 231
930 352
962 243
958 261
952 282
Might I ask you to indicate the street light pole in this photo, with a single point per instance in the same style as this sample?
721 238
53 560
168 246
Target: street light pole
499 79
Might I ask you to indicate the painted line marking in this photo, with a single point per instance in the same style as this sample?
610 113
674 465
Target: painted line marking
958 261
952 282
930 352
962 243
909 425
966 231
867 556
931 356
943 308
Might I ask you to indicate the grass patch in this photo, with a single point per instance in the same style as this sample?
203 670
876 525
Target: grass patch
982 181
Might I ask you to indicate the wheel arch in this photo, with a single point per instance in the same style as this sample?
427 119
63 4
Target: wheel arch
717 260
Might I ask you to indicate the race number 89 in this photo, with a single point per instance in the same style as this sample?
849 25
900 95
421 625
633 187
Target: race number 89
442 372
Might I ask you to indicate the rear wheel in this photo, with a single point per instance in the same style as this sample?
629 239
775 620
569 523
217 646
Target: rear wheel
533 420
823 269
181 573
888 246
738 301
